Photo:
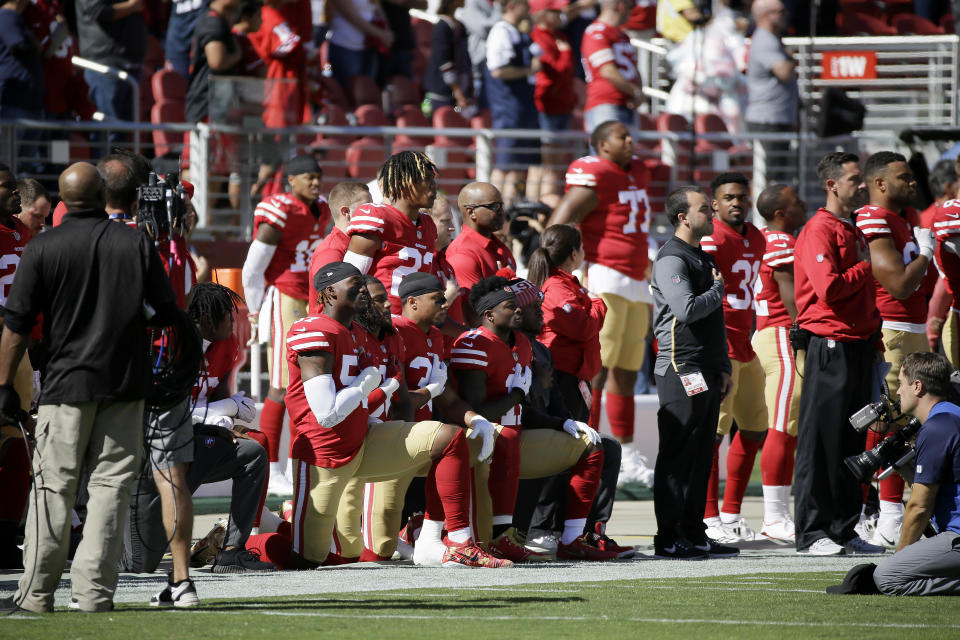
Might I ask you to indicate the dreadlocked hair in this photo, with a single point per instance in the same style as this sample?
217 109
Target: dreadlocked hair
402 171
211 304
366 314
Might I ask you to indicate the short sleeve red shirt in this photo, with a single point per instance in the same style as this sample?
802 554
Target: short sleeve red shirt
316 445
553 92
876 222
302 228
778 254
406 246
606 44
474 257
946 228
12 242
615 232
422 352
483 350
738 259
387 356
331 249
219 359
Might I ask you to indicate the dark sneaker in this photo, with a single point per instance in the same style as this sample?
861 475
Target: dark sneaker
239 560
179 594
8 606
715 549
509 545
600 539
678 550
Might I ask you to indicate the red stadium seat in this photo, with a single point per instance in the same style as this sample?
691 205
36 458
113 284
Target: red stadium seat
422 32
333 93
908 24
449 118
647 123
483 120
675 123
370 115
895 8
166 143
866 7
364 158
411 116
404 92
333 147
860 24
168 85
364 90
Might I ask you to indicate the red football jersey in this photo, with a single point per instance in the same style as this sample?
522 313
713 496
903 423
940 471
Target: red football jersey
481 349
302 228
946 227
778 254
877 222
615 232
422 351
316 445
604 44
405 246
331 249
387 356
12 242
286 56
218 362
738 259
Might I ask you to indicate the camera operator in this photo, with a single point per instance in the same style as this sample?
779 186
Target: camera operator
928 566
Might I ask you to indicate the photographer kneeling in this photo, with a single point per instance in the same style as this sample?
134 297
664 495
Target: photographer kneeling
928 566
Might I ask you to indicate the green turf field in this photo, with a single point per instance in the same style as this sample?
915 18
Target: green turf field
741 607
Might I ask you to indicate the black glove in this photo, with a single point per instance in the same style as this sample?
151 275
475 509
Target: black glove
10 411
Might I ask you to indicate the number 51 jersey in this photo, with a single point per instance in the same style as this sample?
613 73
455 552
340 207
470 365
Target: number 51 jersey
615 232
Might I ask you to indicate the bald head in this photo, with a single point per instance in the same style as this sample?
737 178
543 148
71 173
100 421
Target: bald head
81 187
481 205
769 14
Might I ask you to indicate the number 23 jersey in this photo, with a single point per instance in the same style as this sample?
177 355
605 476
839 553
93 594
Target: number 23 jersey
738 259
302 228
615 232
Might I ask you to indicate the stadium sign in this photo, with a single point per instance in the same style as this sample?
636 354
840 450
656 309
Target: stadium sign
849 65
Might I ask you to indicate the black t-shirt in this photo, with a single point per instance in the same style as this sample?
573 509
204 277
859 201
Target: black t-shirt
211 27
398 18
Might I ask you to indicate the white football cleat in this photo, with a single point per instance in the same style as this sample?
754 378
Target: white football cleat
887 532
823 547
429 552
781 531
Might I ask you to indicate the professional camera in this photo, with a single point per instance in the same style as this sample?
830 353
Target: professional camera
526 224
893 453
161 206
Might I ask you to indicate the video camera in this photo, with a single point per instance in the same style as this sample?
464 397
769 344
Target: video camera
893 453
161 206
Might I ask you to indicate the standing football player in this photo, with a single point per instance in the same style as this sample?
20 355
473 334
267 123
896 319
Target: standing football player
738 247
607 198
287 227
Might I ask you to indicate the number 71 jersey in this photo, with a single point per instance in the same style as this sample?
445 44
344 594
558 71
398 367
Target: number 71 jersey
738 259
615 232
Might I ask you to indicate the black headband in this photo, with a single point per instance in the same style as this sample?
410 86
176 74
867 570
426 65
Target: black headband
418 284
492 299
333 273
302 164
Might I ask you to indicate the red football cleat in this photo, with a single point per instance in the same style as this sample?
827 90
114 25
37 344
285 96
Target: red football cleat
469 554
600 540
580 549
509 547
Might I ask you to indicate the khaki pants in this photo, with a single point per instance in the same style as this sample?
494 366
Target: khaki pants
623 338
782 381
107 438
746 404
285 311
898 345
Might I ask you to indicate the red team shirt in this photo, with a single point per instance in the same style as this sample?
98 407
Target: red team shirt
481 349
474 257
12 242
602 44
834 287
554 92
302 231
422 352
406 246
877 222
571 325
331 249
946 227
738 259
778 254
387 356
218 362
286 60
313 444
615 232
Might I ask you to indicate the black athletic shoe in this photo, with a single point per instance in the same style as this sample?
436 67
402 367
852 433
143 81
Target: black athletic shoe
8 606
716 550
176 594
239 560
678 550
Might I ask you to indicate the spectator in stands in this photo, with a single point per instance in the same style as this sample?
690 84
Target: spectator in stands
932 10
214 51
677 18
709 65
184 16
21 69
34 205
449 77
113 34
511 65
359 36
478 17
50 29
613 82
248 24
642 22
553 94
399 59
772 91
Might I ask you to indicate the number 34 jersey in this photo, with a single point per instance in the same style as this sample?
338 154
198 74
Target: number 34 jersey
405 246
302 227
738 259
615 232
